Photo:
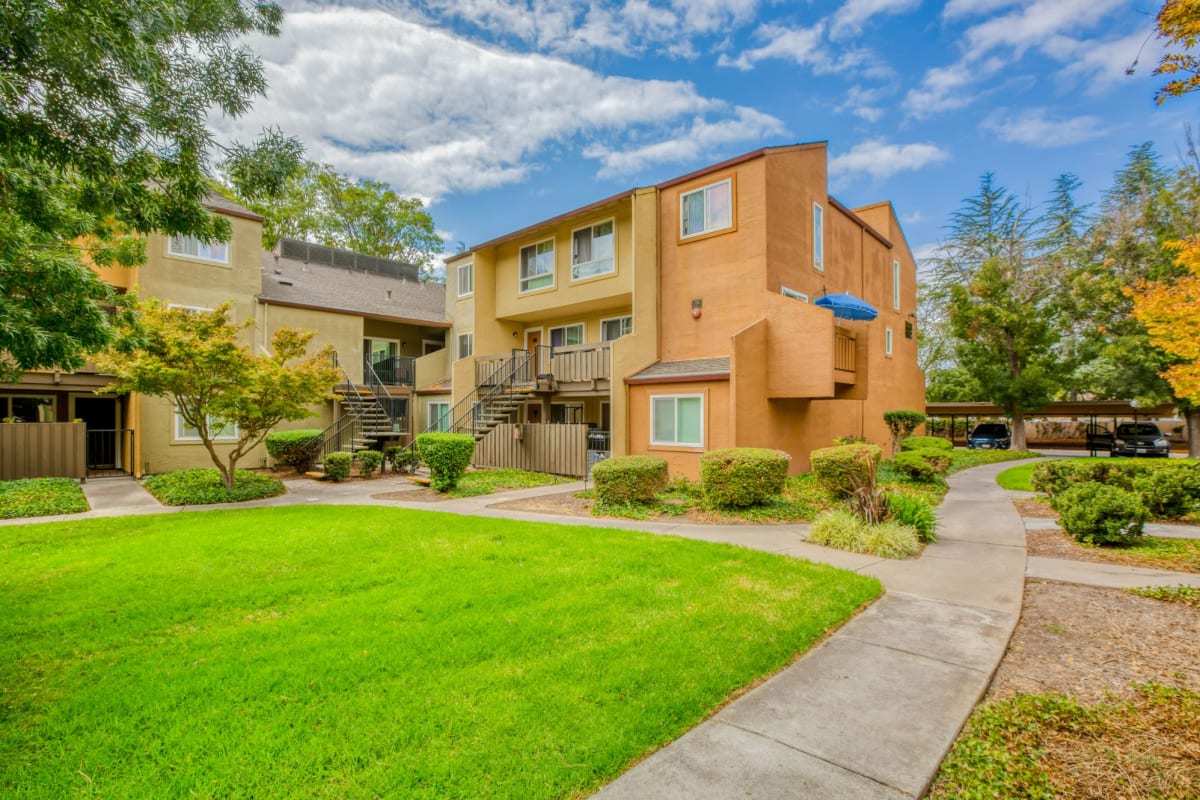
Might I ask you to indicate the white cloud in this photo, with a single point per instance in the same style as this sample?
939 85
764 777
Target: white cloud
849 19
864 103
956 9
913 218
882 159
798 45
949 88
379 96
1035 24
1102 64
1034 128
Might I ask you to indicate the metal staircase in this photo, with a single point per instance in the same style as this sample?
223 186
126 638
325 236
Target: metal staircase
364 419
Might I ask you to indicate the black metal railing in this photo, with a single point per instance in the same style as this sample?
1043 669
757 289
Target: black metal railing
599 440
109 448
394 371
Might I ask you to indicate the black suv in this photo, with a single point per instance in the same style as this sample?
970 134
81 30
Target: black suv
1140 439
990 436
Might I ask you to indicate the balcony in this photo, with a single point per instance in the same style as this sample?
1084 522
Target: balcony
579 367
845 364
394 371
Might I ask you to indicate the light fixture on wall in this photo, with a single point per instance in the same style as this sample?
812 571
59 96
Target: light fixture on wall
697 308
514 334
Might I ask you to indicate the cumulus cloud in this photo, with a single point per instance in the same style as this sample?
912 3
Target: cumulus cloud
881 159
864 103
1035 128
850 18
431 113
949 88
798 45
1035 24
956 9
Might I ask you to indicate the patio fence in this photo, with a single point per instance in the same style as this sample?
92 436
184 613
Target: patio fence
43 450
560 449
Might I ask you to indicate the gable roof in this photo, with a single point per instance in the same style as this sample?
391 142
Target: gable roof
223 205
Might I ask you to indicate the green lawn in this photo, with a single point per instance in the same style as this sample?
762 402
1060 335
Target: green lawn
363 652
487 481
1017 479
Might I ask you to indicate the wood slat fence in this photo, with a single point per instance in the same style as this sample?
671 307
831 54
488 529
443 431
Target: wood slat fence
43 450
560 449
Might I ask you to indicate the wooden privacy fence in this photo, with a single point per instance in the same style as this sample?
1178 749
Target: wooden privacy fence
43 450
554 448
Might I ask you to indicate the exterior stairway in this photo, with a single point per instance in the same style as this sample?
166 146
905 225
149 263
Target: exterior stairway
372 421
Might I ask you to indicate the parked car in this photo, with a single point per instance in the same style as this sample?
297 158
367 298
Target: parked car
990 436
1140 439
1099 438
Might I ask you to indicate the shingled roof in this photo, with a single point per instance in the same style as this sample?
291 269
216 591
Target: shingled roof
369 293
697 368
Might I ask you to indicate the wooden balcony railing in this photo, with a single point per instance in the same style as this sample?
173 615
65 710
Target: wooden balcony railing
582 362
844 344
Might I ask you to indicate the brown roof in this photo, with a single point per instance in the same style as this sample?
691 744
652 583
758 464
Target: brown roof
695 368
291 282
223 205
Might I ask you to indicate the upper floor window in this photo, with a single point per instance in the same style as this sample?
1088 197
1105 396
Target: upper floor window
888 340
537 266
707 209
613 329
190 246
466 345
818 237
565 335
896 285
592 251
466 280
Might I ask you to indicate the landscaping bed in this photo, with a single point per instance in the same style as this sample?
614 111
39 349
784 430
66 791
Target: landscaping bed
40 497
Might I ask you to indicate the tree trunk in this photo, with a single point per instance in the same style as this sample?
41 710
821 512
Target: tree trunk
1192 415
1018 429
229 473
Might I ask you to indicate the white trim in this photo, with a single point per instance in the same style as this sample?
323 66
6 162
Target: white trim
188 309
896 284
172 253
582 336
458 356
180 436
553 273
701 190
818 237
793 294
541 335
470 265
615 319
677 397
888 342
432 417
613 269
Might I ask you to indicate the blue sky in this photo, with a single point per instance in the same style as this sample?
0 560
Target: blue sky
504 112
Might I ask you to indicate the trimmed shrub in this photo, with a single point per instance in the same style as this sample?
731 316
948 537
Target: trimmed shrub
901 424
1167 488
916 512
447 455
1097 514
845 530
926 443
368 462
1169 492
845 469
629 479
293 448
922 465
743 476
337 466
403 459
194 487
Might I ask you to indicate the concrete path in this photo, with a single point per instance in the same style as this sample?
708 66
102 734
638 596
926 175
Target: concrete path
1164 529
1111 576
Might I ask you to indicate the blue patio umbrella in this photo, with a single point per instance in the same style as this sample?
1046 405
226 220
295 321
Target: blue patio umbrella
847 306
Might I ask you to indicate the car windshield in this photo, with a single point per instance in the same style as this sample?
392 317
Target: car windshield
1141 429
990 430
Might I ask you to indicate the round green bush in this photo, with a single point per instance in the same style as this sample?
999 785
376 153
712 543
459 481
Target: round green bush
926 443
294 448
337 466
368 462
1169 491
629 479
922 465
1097 514
743 476
447 455
844 469
403 459
194 487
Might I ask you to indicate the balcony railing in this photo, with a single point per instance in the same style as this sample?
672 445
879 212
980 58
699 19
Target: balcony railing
395 371
844 345
567 364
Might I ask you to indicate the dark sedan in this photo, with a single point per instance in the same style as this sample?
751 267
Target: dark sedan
990 436
1140 439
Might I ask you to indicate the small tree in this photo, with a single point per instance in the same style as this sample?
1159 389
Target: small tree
214 380
902 424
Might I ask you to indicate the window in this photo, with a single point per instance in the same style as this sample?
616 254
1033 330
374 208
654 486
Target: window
677 420
818 237
188 309
792 293
613 329
566 335
466 345
28 408
896 285
592 251
537 266
566 413
190 246
219 431
887 341
706 210
466 280
439 416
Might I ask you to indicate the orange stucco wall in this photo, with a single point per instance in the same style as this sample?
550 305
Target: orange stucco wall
718 431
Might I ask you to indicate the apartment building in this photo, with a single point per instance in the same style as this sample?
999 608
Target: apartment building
683 317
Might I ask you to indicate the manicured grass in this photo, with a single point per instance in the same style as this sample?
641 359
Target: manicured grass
365 652
197 487
1017 479
1046 746
486 481
964 459
40 497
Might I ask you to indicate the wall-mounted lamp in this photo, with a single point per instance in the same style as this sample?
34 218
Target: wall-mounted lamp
514 334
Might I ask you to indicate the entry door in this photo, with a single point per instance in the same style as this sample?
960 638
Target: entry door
383 354
99 414
533 338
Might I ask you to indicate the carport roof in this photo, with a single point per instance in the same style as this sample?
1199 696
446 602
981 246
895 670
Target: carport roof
1066 408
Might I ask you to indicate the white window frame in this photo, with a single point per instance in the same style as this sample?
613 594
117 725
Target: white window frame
467 337
888 341
467 269
896 285
182 436
523 279
626 328
818 237
676 397
710 226
188 309
173 249
612 260
437 417
793 294
582 334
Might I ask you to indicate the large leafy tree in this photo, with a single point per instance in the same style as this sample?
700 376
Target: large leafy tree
1179 23
321 205
199 361
103 137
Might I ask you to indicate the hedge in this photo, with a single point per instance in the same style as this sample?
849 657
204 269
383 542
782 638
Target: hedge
1097 514
926 443
293 447
1168 489
368 462
447 455
337 466
844 469
630 479
743 476
922 465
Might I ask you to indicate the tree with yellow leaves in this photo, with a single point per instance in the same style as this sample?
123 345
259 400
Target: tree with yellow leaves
1179 23
1170 310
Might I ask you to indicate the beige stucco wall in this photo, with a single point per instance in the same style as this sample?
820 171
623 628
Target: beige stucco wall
717 431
